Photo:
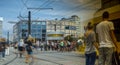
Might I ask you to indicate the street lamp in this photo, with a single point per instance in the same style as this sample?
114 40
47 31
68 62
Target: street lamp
29 23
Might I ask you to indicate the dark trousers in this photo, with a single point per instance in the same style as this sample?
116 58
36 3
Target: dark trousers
90 58
105 56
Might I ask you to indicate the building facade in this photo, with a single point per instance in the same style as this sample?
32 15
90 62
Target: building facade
38 30
47 30
58 29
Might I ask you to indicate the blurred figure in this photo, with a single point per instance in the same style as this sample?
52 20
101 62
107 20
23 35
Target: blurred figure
1 48
38 44
29 49
7 50
41 46
3 43
90 52
106 40
68 45
21 47
61 45
15 47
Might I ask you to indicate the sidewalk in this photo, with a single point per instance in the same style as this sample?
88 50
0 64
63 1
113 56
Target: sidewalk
46 58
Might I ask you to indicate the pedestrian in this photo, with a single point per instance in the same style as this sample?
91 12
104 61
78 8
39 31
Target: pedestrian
21 47
38 44
62 45
3 42
90 52
1 48
7 49
29 49
15 47
41 45
107 40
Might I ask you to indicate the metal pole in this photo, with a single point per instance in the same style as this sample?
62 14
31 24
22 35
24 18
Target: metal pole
29 23
55 26
8 37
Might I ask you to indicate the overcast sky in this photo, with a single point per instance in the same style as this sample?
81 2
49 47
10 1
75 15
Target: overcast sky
11 9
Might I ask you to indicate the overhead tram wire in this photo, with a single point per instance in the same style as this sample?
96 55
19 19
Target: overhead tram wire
24 3
21 17
25 6
79 8
45 4
29 17
82 7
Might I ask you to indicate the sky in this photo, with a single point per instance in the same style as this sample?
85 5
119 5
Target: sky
10 10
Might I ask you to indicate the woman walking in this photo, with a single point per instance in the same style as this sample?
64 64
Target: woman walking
90 39
29 49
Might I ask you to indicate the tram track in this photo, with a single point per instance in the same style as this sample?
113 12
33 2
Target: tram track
36 52
54 62
46 60
42 59
11 60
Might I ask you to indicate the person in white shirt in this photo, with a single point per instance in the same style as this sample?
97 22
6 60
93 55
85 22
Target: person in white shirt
21 47
106 40
7 50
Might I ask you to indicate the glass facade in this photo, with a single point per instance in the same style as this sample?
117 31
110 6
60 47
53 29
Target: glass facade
38 29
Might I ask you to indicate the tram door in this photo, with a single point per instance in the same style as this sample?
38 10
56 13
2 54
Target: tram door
116 23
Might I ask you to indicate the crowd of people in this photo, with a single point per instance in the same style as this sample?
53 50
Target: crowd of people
61 46
26 47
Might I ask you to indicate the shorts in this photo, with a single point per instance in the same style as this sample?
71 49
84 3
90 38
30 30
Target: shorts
20 48
15 47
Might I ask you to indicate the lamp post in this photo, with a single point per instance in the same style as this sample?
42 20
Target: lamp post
29 23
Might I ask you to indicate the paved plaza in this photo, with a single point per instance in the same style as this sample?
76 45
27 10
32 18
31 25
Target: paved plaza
46 58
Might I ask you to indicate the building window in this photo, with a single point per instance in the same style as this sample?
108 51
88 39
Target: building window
38 26
43 31
38 22
43 26
38 30
43 23
33 22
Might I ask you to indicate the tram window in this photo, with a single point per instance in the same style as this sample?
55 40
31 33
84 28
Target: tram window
116 23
